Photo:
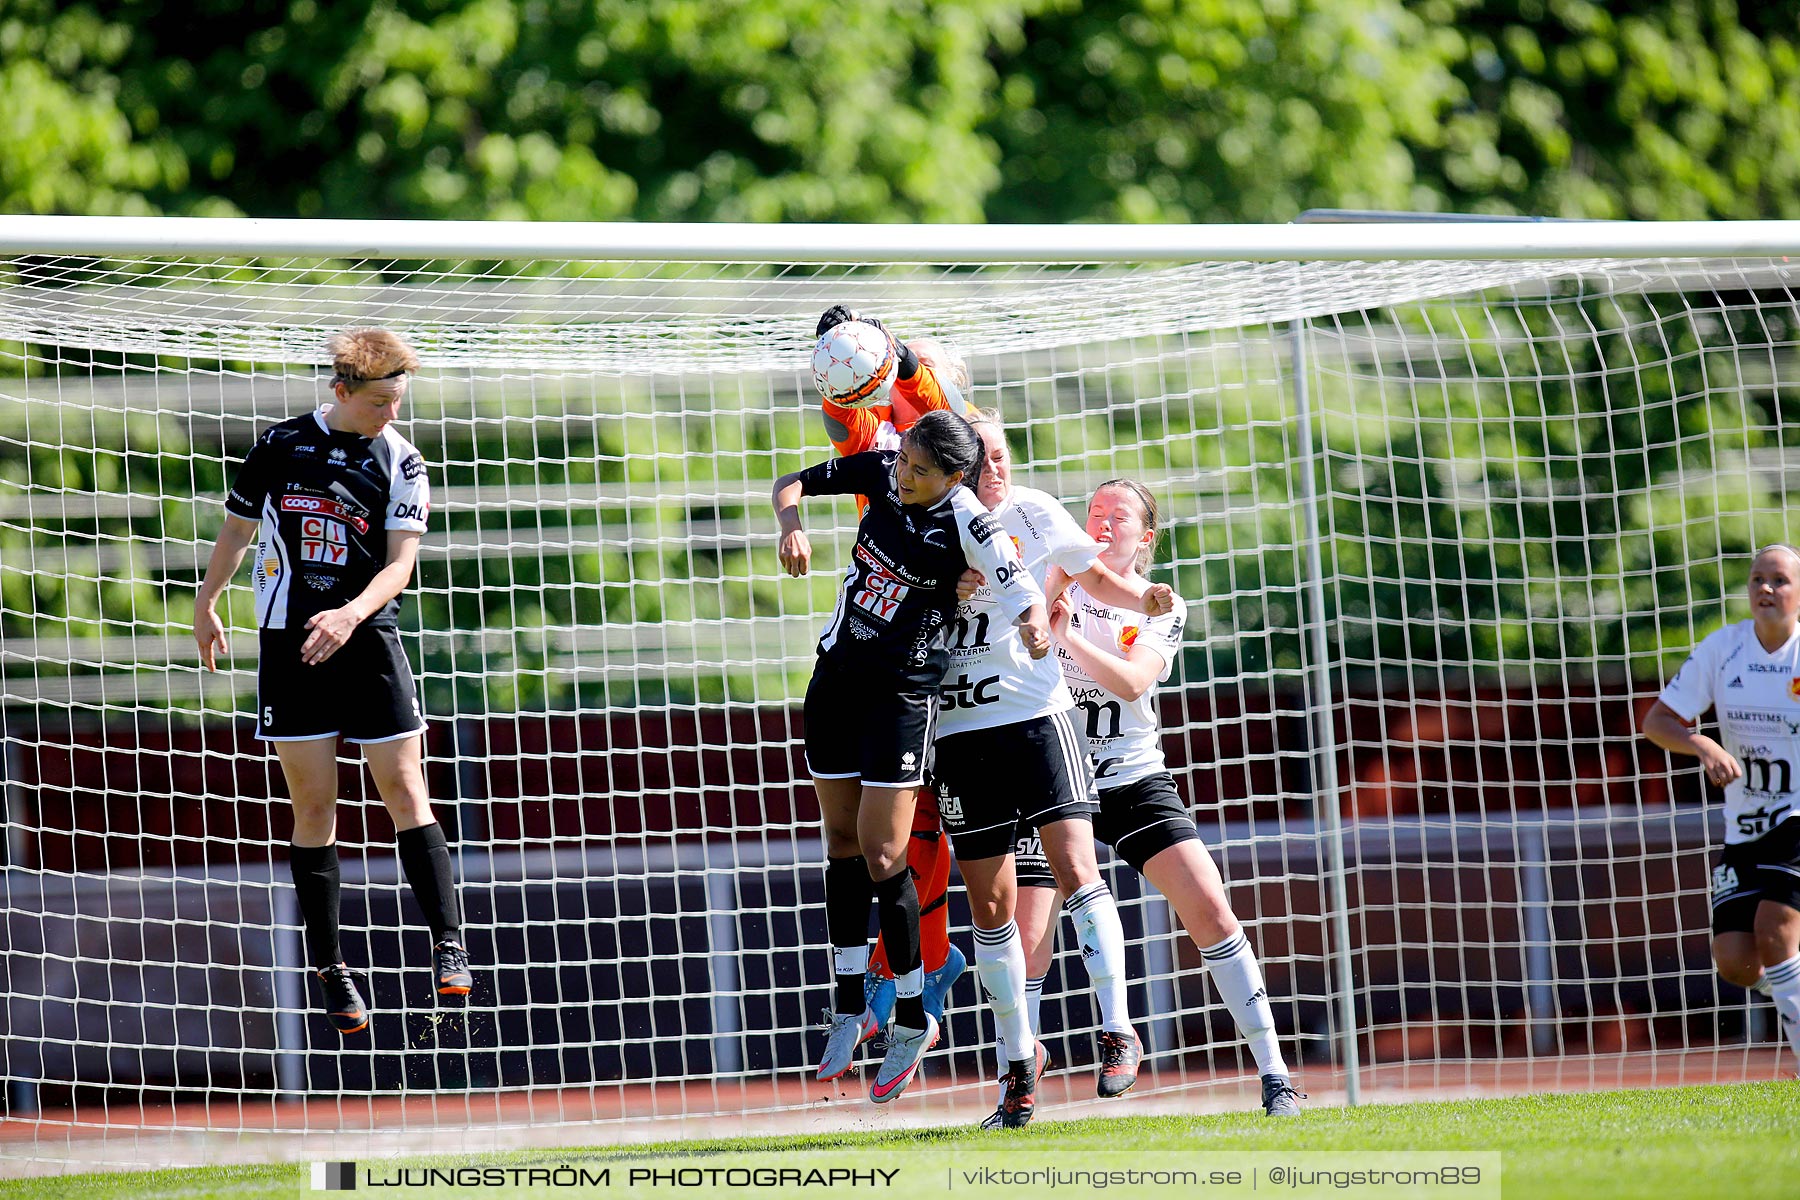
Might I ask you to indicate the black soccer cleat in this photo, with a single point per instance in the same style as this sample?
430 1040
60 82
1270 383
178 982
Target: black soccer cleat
1018 1093
343 1003
1120 1054
1279 1097
450 963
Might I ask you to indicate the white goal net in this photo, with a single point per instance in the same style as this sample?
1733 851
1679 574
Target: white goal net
1444 526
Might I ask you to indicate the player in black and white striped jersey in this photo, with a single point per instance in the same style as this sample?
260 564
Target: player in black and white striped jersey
1749 674
873 701
336 501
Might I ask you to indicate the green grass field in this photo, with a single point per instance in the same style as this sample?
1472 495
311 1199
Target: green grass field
1736 1142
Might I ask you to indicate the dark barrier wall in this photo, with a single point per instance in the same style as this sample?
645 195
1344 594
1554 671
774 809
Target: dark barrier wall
117 797
1524 877
601 968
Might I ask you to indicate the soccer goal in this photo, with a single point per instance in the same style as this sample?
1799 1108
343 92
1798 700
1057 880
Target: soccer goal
1447 504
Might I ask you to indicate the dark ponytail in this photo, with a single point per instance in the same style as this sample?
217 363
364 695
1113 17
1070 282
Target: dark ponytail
951 444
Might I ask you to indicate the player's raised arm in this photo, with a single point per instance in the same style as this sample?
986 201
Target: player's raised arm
794 550
857 474
874 398
1129 678
1132 592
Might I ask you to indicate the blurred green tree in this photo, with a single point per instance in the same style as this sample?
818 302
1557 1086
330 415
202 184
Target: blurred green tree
544 109
895 110
1675 110
1221 110
68 143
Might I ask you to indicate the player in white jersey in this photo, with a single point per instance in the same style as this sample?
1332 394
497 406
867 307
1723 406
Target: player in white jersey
1007 752
1113 661
1749 673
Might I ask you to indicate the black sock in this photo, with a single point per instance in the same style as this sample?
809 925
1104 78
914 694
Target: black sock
897 908
848 893
316 883
425 856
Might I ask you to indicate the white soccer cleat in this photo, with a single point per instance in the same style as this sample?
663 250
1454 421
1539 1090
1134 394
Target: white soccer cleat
847 1032
905 1051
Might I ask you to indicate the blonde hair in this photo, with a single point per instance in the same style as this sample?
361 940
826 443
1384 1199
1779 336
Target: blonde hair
944 362
1777 548
362 354
984 416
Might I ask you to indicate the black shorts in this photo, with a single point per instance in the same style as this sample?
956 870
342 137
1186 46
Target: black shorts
1140 820
874 733
989 780
363 693
1767 868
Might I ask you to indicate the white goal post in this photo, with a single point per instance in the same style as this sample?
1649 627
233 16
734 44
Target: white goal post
1447 503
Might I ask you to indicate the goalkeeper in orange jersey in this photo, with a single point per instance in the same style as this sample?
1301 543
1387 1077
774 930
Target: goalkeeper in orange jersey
928 377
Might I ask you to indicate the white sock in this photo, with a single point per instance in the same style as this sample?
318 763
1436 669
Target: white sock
1000 964
1102 951
1034 1003
1232 965
850 960
1761 986
910 984
1784 989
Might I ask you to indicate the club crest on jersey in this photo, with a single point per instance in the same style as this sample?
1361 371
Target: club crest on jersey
1794 688
1128 637
1017 549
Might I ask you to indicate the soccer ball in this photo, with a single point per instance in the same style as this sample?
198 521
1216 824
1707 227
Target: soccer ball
854 364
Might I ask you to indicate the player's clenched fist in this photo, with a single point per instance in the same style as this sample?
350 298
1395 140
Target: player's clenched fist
796 552
1034 631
